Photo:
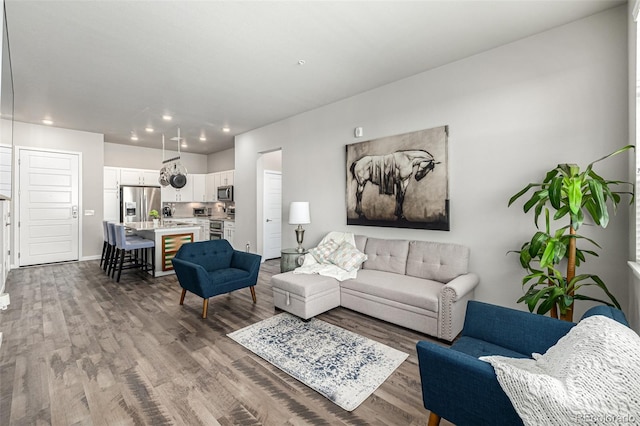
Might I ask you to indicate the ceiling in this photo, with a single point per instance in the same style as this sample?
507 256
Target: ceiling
115 67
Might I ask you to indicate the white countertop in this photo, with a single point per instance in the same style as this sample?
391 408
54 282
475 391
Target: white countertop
149 226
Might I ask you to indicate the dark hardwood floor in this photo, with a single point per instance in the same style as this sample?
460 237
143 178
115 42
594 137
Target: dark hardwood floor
79 348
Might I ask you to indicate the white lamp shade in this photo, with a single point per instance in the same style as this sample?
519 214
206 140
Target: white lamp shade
299 213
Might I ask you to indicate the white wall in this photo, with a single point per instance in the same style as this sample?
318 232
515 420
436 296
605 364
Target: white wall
91 147
513 112
221 161
137 157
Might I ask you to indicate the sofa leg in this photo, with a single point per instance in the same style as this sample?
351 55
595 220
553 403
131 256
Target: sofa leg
205 305
184 291
253 293
434 419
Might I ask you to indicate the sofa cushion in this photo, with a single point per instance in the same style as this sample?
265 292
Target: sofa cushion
437 261
347 257
399 288
478 348
304 285
386 255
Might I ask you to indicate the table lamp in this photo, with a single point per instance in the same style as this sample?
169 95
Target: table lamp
299 215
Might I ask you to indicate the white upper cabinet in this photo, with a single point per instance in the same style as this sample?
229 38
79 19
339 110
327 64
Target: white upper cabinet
226 178
178 195
211 192
111 178
139 177
199 187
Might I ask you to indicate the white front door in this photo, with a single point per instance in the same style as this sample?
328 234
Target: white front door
272 212
49 207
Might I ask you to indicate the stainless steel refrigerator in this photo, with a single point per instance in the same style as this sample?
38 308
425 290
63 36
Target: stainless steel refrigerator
137 201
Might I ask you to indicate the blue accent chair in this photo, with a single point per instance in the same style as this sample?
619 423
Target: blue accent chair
459 387
210 268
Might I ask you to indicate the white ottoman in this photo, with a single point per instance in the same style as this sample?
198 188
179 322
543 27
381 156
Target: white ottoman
305 295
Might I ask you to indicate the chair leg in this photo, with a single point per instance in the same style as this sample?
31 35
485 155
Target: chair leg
434 419
104 251
122 253
205 305
184 291
253 293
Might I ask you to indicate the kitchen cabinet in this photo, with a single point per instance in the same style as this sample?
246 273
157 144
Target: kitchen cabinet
111 178
6 152
180 195
111 205
226 178
211 190
139 177
229 231
214 180
199 187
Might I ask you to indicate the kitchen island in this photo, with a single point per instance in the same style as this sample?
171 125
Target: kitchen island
168 237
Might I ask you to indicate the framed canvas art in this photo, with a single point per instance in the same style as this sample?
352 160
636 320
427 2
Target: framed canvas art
399 181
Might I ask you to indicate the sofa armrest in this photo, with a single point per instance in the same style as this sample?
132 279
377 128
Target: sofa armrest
452 305
249 262
607 311
461 388
461 285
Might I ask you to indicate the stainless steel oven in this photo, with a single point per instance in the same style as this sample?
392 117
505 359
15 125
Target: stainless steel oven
216 229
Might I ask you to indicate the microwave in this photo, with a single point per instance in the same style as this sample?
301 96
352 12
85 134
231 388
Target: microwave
225 193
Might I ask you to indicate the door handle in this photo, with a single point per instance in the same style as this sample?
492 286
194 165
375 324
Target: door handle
269 220
74 212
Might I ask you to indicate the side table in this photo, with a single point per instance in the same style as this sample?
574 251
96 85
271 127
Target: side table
291 258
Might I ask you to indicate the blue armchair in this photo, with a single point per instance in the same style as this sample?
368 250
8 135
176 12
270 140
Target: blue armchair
458 386
210 268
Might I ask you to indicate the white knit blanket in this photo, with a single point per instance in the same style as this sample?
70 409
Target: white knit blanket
311 266
591 376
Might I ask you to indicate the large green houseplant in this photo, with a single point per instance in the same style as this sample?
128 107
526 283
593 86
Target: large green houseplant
572 195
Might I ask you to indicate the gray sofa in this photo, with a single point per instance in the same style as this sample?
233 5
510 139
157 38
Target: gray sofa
421 285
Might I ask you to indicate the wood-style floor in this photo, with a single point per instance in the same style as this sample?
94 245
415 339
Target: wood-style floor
79 348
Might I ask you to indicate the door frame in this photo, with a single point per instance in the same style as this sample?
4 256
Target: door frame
18 194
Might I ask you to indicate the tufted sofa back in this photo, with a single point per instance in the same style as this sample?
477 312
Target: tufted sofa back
422 259
437 261
212 254
386 255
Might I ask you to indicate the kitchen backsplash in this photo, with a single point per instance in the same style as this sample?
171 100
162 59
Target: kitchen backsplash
186 209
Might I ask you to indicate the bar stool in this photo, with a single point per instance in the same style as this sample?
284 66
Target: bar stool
111 235
129 245
106 246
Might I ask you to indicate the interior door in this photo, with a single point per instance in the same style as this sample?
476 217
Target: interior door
272 212
49 207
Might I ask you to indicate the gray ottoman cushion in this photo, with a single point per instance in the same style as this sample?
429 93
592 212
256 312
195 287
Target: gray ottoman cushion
305 295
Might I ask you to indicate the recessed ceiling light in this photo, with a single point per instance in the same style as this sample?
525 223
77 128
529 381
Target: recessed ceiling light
226 129
47 122
134 138
167 117
148 129
203 139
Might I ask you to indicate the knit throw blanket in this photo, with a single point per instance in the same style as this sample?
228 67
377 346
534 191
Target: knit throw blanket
591 376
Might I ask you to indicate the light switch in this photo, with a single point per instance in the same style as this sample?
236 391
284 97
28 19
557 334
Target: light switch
89 212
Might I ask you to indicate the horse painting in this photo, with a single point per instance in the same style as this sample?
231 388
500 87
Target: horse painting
391 173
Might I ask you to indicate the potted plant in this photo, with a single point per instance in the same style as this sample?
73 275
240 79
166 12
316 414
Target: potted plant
155 216
572 195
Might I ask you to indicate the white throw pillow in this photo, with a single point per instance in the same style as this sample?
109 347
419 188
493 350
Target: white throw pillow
322 252
347 257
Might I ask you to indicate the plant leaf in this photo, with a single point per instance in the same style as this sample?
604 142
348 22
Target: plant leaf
597 195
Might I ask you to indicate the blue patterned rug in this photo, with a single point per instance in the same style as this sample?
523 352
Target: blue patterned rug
342 366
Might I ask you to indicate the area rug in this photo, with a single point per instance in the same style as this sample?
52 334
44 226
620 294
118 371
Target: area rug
342 366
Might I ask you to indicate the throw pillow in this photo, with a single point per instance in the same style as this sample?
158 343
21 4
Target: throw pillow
322 252
347 257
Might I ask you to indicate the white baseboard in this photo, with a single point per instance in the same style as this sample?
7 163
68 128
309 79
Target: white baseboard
96 257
